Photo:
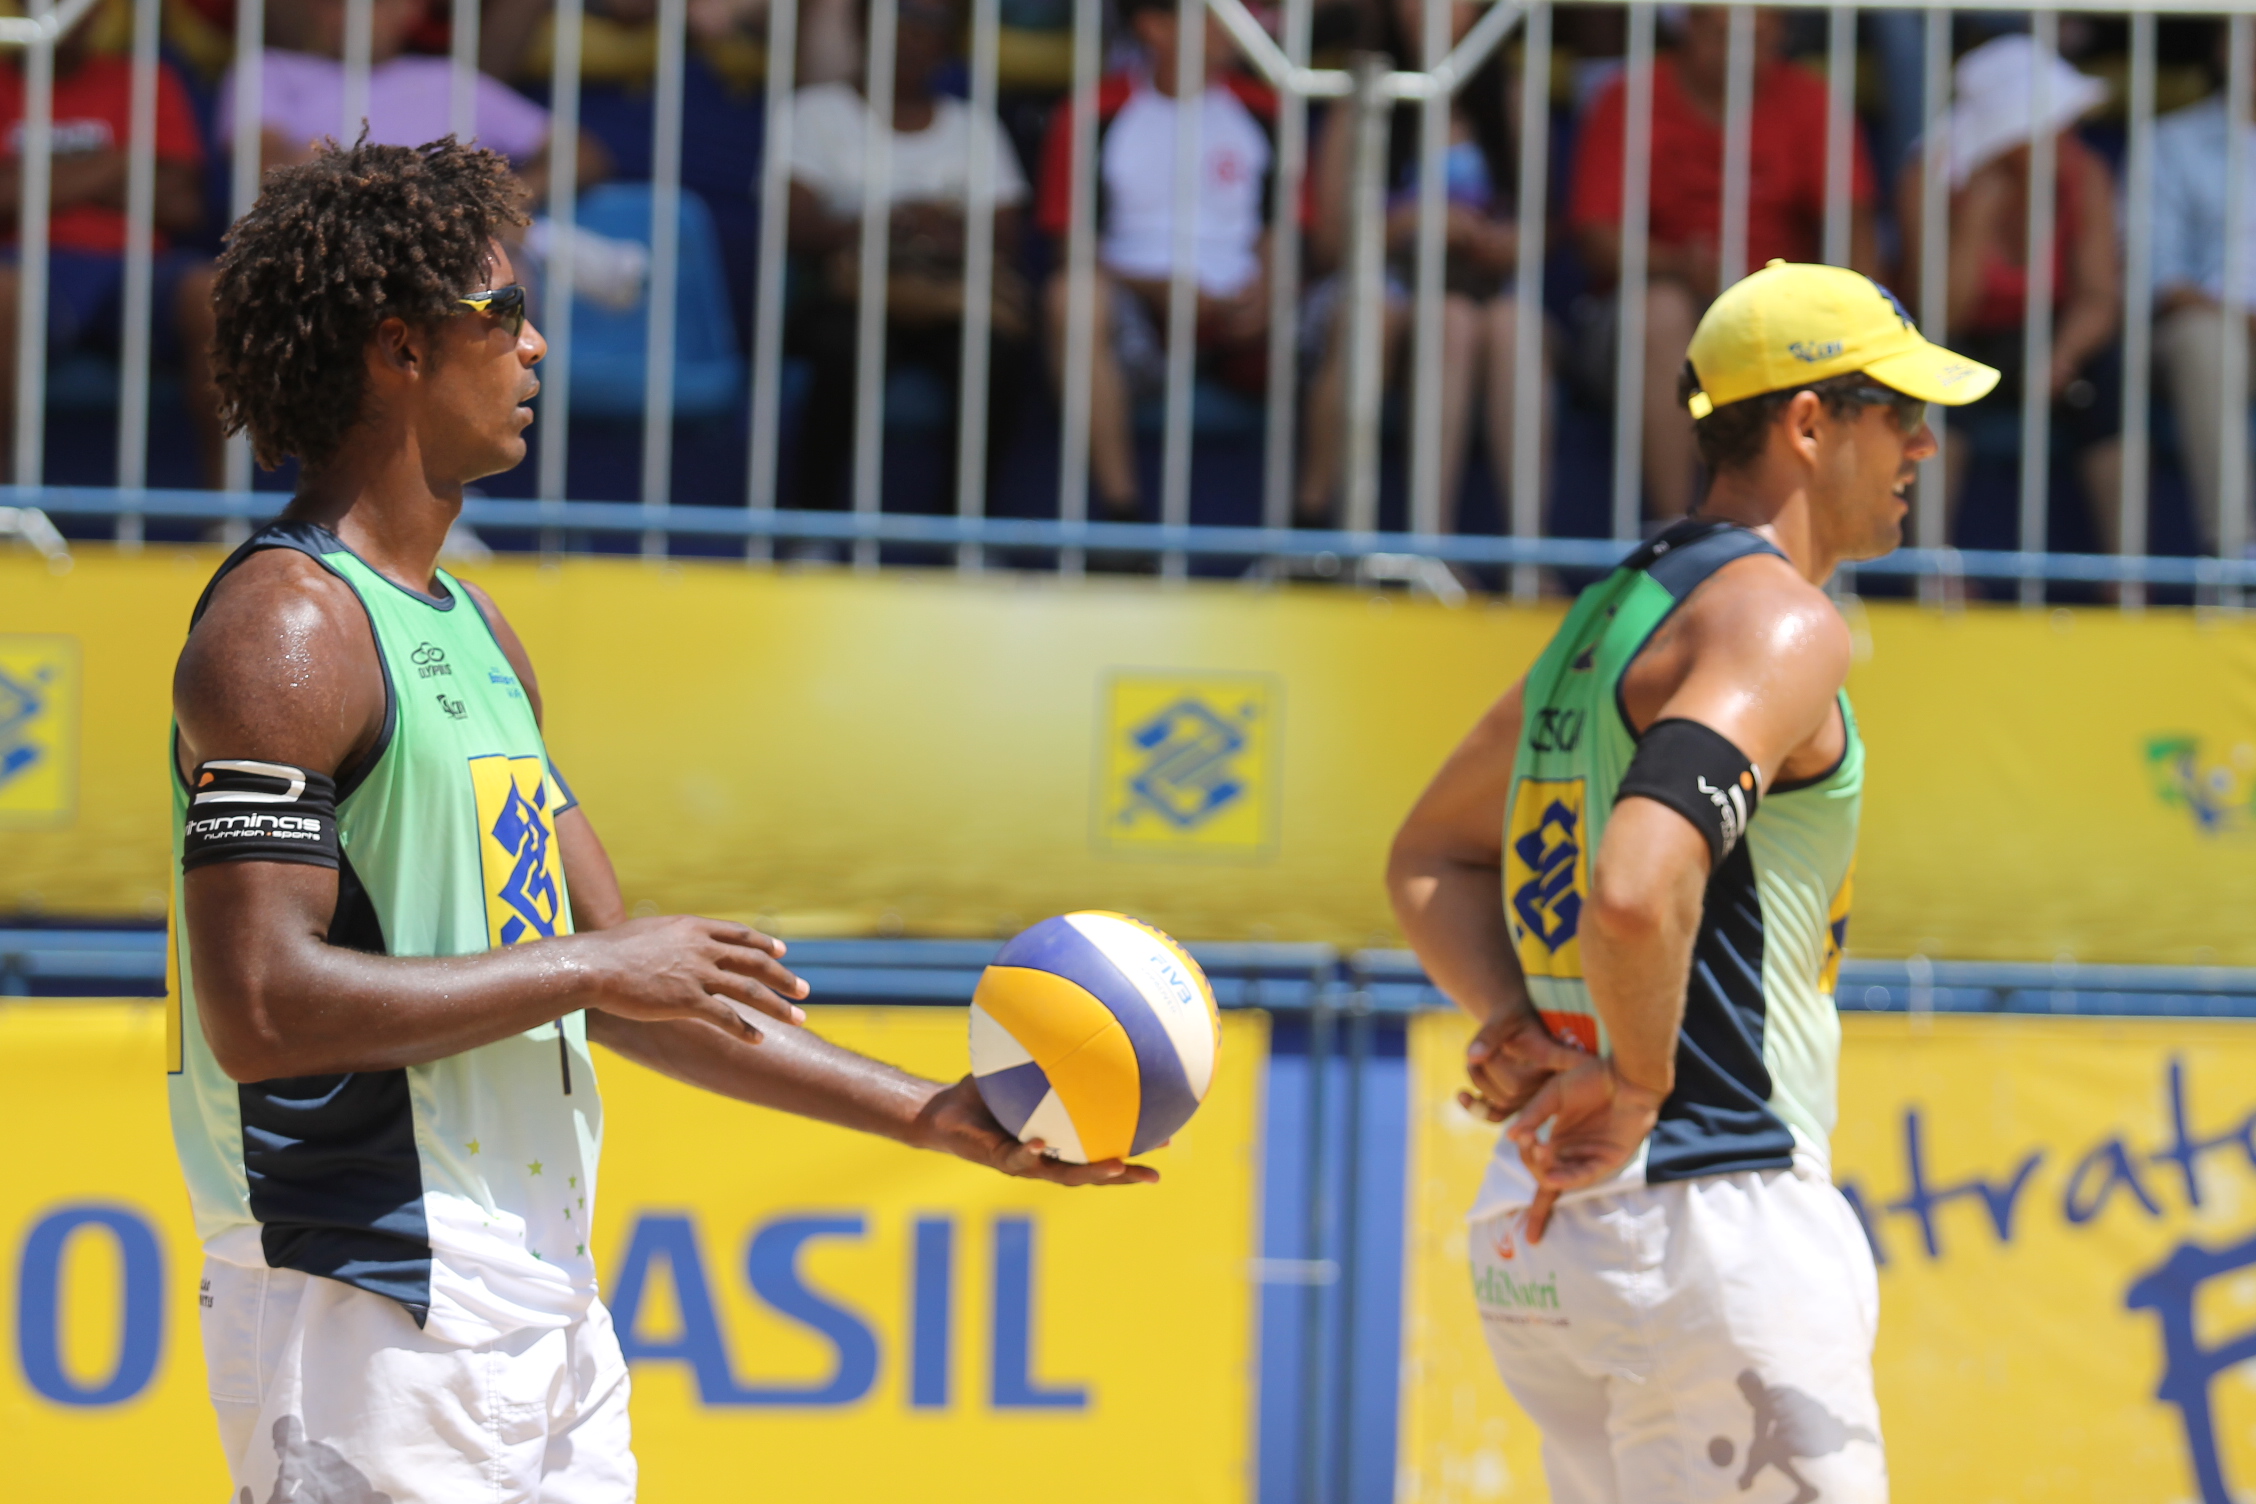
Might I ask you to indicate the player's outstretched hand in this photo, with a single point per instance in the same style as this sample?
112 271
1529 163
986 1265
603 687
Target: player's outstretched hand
680 966
956 1121
1509 1060
1580 1127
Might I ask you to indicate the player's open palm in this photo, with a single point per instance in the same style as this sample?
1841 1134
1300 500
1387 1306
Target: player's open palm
1580 1127
956 1121
680 966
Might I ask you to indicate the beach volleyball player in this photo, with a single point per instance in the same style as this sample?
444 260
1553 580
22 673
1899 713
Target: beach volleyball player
398 933
1635 873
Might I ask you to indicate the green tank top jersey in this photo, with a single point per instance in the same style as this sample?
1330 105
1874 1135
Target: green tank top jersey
462 1188
1757 1060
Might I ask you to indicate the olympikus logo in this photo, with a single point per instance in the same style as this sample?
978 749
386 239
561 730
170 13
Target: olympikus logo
430 661
1731 804
290 827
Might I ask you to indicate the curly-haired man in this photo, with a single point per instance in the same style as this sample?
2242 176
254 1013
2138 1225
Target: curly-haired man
398 930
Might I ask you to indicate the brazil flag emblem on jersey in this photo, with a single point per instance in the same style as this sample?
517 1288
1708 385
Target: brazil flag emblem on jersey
517 852
1546 875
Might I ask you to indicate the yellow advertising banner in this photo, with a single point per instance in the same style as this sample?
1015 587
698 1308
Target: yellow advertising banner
2064 1212
924 754
810 1314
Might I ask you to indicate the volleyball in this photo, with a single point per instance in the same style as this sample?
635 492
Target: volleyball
1094 1033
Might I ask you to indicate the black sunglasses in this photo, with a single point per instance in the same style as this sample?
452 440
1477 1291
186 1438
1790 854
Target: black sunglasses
504 303
1910 411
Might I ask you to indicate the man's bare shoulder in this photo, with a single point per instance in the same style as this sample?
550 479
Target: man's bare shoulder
282 666
1759 610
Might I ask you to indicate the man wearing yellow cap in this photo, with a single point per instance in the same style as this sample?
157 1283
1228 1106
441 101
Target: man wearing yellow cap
1634 874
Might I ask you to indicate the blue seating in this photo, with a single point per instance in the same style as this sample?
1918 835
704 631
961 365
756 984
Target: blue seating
608 346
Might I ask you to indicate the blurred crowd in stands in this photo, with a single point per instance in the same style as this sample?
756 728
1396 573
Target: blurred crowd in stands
1028 143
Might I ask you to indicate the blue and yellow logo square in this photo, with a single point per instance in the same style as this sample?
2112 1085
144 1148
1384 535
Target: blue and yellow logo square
517 851
1186 764
39 703
1547 875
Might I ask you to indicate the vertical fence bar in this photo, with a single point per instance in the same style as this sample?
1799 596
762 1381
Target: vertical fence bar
2036 332
665 268
1182 283
462 71
360 21
38 159
876 255
563 211
1934 266
243 184
1427 504
1840 129
1738 143
1281 434
1629 343
136 319
2138 303
1366 290
1315 1232
767 296
2232 378
1350 1227
979 282
1078 379
1527 321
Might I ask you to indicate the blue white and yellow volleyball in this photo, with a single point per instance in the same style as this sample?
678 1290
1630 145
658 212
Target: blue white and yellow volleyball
1094 1033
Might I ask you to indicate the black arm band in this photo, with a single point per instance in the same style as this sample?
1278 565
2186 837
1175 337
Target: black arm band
1697 772
240 811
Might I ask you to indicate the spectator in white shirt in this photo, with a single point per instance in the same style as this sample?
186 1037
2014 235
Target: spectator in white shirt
1136 230
2189 286
934 138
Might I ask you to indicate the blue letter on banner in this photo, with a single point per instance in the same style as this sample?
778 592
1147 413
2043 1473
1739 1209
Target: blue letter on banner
39 1305
674 1239
773 1263
1014 1387
932 1286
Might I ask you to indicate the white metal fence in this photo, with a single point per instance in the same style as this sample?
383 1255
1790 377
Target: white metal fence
1364 96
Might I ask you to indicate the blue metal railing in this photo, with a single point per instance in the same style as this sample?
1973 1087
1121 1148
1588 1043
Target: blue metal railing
1038 534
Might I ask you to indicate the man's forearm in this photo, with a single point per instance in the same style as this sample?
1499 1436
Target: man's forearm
1637 933
308 1008
791 1070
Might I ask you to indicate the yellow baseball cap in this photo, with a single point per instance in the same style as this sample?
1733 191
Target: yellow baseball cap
1792 323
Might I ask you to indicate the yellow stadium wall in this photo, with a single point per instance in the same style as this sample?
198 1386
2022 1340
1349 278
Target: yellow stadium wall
1122 1371
926 755
2078 1186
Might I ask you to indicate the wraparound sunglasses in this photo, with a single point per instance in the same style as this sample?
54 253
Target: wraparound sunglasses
504 303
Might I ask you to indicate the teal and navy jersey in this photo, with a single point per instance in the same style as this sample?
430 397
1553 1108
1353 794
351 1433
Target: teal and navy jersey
462 1188
1758 1057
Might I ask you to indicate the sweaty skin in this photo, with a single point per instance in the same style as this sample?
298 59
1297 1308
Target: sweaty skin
283 668
1757 653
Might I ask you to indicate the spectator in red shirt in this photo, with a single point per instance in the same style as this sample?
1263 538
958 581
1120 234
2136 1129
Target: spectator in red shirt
1785 209
86 226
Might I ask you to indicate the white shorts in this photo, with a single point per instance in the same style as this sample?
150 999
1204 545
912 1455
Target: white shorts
327 1393
1705 1340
